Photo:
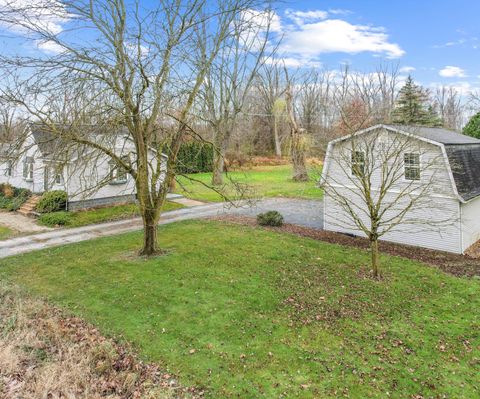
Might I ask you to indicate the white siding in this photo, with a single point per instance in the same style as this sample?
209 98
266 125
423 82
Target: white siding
470 222
433 223
81 177
440 235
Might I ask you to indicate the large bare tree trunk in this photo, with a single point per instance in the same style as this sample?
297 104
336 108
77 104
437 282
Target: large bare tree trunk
298 157
218 165
150 225
278 146
219 159
297 145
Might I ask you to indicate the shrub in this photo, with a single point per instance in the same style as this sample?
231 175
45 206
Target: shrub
55 219
12 198
270 218
52 201
195 157
21 196
7 190
5 203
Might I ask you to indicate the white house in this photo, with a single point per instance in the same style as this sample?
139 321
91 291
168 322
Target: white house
42 162
446 162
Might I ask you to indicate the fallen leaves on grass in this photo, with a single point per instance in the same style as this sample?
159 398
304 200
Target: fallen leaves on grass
46 354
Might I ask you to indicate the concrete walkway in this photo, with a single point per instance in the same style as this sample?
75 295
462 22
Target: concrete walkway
20 223
307 213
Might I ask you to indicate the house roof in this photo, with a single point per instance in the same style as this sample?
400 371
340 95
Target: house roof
439 135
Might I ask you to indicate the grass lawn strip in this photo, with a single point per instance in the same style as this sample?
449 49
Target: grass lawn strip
264 181
251 313
6 233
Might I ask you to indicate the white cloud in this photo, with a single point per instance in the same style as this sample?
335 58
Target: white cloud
292 62
452 72
407 69
262 20
28 17
50 47
300 17
336 35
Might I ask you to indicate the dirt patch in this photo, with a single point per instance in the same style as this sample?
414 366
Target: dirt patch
47 354
458 265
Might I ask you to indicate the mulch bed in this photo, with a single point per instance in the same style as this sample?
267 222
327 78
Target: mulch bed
458 265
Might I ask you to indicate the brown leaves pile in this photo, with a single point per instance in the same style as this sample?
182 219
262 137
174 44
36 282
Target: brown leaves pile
45 354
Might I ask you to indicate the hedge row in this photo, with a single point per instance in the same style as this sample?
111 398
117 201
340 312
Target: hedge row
195 157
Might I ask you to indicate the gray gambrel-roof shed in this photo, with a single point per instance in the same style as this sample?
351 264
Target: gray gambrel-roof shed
463 153
462 164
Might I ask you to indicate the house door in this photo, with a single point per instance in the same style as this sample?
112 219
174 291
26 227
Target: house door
45 178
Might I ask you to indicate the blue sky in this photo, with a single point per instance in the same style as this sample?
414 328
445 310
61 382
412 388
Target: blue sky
436 41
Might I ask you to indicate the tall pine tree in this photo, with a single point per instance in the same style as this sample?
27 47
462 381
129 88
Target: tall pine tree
472 128
413 106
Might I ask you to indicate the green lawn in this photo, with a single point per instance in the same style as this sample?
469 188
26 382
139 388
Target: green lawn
5 233
107 214
294 318
100 215
266 181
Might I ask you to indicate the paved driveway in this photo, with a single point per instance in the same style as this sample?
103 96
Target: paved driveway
307 213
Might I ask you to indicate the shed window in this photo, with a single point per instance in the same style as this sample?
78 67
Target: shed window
28 169
358 163
412 166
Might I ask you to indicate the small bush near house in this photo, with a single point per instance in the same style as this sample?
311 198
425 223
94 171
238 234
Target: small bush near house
52 201
7 190
21 196
270 218
12 198
55 219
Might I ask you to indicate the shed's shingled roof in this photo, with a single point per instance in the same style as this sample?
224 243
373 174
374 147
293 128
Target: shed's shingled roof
463 154
440 135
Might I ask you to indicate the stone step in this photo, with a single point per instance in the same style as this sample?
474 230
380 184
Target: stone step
28 208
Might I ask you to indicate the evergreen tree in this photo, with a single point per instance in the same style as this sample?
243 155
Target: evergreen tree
413 106
472 128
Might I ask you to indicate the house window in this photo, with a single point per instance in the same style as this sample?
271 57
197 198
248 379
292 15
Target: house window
9 168
59 175
118 175
28 169
358 163
412 166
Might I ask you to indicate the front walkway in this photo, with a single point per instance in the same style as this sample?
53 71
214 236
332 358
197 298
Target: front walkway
20 223
307 213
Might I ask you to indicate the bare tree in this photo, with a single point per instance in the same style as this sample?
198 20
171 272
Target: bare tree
271 87
145 62
450 107
375 183
230 77
298 140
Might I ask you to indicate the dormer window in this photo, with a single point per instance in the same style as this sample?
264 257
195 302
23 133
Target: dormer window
28 169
